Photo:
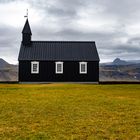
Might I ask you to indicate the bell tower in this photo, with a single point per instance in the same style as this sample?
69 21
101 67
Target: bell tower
26 34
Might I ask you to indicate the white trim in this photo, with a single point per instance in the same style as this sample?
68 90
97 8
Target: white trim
56 67
32 65
80 66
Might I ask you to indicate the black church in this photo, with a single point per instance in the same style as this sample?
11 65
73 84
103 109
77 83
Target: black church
57 61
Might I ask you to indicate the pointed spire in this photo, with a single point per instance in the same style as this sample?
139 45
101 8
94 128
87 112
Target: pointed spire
26 34
27 29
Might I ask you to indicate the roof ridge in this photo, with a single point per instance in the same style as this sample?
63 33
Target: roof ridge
65 41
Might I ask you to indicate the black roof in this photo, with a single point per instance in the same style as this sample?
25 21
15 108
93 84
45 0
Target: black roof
27 29
59 51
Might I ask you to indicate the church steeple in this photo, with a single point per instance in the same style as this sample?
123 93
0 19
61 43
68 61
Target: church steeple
26 34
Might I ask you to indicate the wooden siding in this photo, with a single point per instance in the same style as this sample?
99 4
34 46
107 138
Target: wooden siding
47 72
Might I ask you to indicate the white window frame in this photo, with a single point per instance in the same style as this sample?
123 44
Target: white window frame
56 67
80 65
32 70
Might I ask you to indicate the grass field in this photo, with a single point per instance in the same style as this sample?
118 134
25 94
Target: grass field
69 112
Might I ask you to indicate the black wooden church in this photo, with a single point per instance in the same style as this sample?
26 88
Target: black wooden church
57 61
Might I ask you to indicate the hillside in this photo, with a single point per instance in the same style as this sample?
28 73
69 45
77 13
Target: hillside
120 70
8 72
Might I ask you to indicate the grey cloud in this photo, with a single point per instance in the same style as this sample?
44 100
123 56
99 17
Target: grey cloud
123 10
120 7
121 51
126 48
8 33
9 41
6 1
135 40
103 40
61 12
73 34
66 14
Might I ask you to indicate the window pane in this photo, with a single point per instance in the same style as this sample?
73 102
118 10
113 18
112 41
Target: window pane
59 67
83 67
34 67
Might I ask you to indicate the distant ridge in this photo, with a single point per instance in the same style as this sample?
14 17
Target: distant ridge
118 61
3 63
8 72
120 70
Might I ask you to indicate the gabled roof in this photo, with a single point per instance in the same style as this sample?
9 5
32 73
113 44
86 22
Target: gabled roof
59 51
27 29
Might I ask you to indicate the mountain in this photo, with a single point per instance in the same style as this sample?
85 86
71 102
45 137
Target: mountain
3 63
118 61
134 61
120 70
8 72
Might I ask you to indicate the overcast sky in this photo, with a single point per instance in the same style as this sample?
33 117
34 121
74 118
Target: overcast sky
113 24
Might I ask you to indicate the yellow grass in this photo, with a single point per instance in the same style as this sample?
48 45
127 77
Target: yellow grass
69 112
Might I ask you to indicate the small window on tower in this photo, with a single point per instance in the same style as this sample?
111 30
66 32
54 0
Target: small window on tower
83 67
34 67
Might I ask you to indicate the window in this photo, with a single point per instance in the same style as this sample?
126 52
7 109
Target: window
83 67
34 67
59 67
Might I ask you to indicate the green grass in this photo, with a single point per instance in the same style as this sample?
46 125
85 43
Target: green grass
69 112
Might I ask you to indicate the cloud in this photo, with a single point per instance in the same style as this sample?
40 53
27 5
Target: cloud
114 25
